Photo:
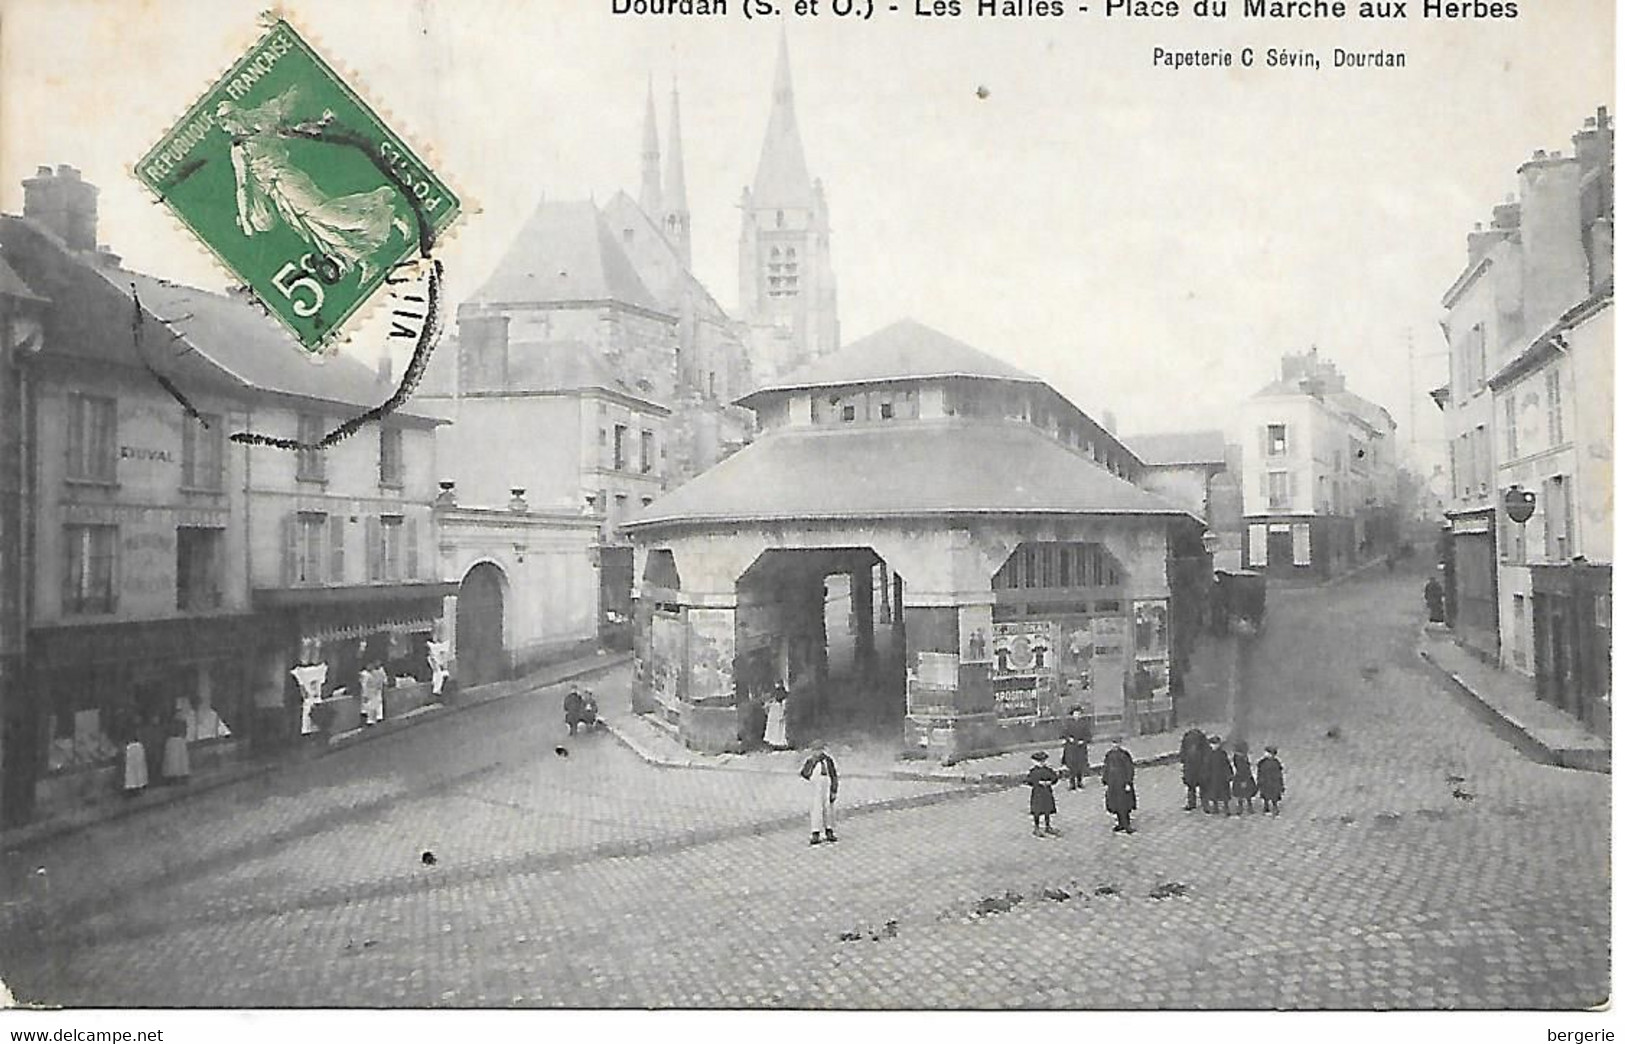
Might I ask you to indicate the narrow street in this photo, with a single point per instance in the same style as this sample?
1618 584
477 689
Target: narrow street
1419 862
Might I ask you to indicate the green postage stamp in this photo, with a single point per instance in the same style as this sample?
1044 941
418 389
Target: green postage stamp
297 186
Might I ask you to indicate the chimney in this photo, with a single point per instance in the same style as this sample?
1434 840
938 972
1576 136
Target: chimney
63 203
1506 216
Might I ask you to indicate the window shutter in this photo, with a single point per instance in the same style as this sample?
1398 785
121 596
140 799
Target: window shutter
290 550
1263 441
412 549
375 548
1263 483
335 536
189 461
76 435
1291 486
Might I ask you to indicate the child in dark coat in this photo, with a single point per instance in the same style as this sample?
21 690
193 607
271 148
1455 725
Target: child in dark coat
1216 780
1242 785
1042 779
1271 781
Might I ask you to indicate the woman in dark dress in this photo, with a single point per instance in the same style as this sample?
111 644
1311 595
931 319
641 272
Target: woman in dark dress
1075 752
1242 786
1216 783
1117 773
1042 779
1192 764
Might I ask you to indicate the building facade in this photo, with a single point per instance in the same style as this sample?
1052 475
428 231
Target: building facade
175 577
996 563
1319 474
1547 250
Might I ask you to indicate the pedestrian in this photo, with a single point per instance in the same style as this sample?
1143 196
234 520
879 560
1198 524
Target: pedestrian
1242 784
1042 779
1216 788
135 756
1075 749
1271 780
573 705
1433 595
177 763
819 771
774 731
1192 764
1117 773
372 693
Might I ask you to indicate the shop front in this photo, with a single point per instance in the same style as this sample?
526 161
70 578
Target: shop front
95 688
1573 606
1472 577
338 659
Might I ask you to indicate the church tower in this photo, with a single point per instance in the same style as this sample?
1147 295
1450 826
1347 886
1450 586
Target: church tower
675 220
786 282
649 193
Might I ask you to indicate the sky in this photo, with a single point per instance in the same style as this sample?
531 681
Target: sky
1149 241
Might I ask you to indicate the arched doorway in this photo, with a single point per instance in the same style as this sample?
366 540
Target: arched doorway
480 655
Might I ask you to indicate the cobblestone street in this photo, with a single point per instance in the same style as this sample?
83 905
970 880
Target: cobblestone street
1419 862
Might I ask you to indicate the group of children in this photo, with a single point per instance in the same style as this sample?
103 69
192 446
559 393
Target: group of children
1208 770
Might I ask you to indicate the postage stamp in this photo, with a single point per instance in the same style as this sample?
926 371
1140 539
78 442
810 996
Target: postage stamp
297 186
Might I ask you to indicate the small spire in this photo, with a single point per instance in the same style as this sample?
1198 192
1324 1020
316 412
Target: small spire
676 188
649 195
781 173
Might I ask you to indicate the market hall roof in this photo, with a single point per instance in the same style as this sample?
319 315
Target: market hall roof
947 467
565 254
905 350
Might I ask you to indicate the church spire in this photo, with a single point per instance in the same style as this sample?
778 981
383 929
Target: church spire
649 194
781 173
676 195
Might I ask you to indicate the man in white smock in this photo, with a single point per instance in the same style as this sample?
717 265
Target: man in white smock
819 772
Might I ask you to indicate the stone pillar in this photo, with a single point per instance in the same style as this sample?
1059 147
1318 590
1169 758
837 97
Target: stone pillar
863 610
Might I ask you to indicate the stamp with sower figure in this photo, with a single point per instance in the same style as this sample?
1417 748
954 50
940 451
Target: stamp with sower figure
296 185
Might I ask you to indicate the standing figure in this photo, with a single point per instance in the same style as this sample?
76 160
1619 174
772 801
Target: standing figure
573 706
1192 764
135 758
1271 781
1242 785
777 706
1042 779
177 762
1117 773
819 771
1075 752
1433 595
1216 785
372 693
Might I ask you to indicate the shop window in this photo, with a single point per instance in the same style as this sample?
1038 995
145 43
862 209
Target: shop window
312 460
92 438
199 555
390 470
203 452
1300 544
89 566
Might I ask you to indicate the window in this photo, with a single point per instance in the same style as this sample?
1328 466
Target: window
1476 360
203 452
312 463
335 544
648 500
1275 440
711 383
389 457
1300 544
303 561
1280 489
198 557
620 447
1559 523
1554 407
1509 419
92 438
647 452
886 411
388 540
88 567
849 412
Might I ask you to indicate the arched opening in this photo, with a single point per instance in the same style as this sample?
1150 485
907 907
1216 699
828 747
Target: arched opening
826 625
481 657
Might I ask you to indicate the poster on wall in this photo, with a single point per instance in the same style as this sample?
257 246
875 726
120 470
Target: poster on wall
1108 666
710 656
1150 629
976 634
1074 658
1023 650
665 657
